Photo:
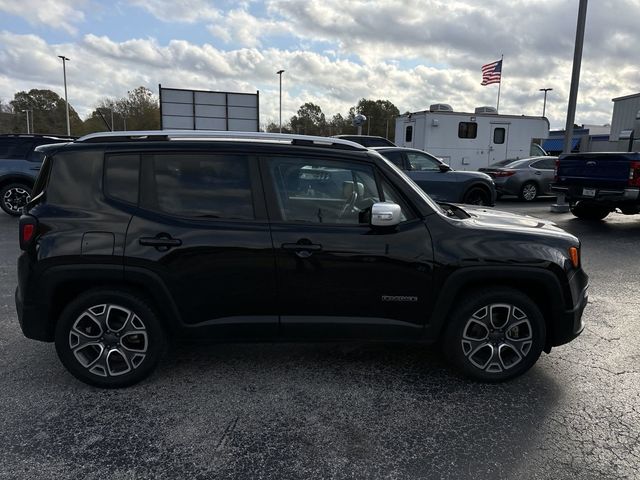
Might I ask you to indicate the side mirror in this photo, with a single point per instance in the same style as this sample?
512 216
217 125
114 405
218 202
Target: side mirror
444 167
385 214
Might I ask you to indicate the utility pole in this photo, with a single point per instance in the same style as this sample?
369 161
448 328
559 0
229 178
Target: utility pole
279 73
66 101
28 128
544 103
575 76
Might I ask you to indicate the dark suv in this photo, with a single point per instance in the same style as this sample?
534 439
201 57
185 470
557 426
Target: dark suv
19 166
135 238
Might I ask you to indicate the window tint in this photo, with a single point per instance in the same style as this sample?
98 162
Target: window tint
391 195
324 191
395 157
121 177
14 148
408 133
422 162
75 179
498 135
467 130
545 164
199 185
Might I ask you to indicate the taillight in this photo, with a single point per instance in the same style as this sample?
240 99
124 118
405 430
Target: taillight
27 230
634 174
504 173
555 171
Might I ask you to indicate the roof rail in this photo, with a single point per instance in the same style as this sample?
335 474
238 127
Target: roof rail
166 135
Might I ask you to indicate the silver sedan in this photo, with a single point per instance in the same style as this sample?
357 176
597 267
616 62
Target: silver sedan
527 178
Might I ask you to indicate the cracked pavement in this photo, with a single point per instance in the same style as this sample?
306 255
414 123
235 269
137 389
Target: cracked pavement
351 410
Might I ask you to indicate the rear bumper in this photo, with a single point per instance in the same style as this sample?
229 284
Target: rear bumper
603 196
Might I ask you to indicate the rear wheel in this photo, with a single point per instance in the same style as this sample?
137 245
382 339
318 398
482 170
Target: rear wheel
13 197
109 338
495 335
587 211
477 196
529 192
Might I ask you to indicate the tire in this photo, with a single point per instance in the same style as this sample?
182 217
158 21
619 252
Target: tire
529 191
13 197
115 322
477 196
587 211
504 318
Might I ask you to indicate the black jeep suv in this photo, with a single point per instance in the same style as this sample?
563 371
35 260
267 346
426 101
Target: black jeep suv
133 238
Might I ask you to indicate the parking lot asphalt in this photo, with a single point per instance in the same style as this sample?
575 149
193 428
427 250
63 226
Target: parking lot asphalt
351 410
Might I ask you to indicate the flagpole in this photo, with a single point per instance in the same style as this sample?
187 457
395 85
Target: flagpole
500 83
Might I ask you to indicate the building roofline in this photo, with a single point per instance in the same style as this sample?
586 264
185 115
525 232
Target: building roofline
633 95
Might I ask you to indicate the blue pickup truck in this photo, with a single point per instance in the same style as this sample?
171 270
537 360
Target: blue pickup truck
595 184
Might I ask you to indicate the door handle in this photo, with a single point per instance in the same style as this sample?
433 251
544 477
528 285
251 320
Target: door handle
302 250
161 242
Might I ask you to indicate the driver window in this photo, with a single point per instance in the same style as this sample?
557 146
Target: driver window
323 191
421 162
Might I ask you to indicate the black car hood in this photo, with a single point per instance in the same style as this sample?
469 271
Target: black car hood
496 219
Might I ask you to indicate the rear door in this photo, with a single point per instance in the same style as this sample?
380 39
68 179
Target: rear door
409 134
498 142
544 171
337 276
202 230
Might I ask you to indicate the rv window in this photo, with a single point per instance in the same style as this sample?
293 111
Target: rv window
498 135
467 130
408 133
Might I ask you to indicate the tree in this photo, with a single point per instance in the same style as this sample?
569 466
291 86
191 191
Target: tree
309 121
48 111
139 110
381 115
339 125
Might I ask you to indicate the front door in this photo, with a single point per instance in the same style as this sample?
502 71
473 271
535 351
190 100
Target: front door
202 230
337 276
498 142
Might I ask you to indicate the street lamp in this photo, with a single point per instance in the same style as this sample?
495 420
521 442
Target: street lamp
27 112
544 104
280 72
64 71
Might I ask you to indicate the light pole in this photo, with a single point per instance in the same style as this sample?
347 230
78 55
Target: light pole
64 71
27 112
280 72
544 104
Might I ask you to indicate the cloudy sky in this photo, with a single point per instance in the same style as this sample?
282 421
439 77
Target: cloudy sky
334 52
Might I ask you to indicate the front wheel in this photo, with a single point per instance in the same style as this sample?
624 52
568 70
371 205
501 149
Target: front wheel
477 196
13 197
586 211
109 338
495 335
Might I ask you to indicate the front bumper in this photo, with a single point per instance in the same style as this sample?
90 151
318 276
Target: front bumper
571 323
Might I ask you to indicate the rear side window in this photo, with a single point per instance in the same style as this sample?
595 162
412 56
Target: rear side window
545 164
75 178
202 185
395 157
121 177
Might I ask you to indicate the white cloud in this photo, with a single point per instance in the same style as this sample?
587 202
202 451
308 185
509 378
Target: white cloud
55 14
413 53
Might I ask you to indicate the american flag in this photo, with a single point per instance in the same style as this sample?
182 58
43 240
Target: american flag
491 72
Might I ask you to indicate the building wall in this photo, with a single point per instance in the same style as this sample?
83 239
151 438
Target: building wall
624 114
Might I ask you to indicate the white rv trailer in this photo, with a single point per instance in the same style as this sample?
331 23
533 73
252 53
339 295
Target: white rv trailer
468 141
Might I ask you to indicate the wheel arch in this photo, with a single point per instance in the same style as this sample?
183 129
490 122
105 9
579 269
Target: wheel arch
62 284
478 185
16 178
542 286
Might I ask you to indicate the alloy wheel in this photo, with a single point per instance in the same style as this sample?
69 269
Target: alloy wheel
15 198
109 340
529 192
497 337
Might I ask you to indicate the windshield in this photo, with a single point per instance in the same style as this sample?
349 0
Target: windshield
414 186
